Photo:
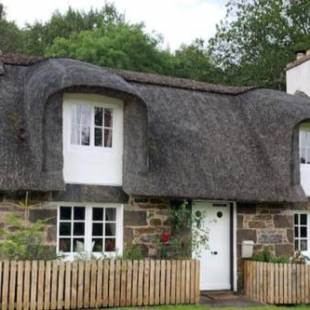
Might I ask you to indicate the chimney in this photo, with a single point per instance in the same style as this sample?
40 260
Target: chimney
300 54
298 73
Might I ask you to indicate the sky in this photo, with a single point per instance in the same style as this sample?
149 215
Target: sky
179 21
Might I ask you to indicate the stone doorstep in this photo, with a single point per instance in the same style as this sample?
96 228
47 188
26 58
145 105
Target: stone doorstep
226 299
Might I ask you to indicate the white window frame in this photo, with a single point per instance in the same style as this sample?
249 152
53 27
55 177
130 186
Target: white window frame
304 128
91 146
307 252
88 229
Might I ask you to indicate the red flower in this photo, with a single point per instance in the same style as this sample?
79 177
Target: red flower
164 237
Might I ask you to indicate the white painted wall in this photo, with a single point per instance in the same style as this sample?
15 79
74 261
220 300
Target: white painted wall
298 78
90 164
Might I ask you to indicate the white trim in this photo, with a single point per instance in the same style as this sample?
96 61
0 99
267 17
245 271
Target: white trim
235 257
119 222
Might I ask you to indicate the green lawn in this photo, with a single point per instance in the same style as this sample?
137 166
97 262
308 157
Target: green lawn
206 307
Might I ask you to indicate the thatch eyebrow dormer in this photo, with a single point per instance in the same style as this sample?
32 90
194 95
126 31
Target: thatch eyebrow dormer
181 138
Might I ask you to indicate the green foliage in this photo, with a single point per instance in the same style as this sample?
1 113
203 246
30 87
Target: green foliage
187 234
195 62
105 38
116 45
133 251
40 36
24 240
258 38
266 256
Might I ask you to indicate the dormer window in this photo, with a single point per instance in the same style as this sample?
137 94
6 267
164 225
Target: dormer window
91 125
304 145
304 156
93 139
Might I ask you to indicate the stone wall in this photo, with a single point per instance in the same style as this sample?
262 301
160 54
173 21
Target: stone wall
269 226
144 219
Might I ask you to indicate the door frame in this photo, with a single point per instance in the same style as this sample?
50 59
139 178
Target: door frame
232 240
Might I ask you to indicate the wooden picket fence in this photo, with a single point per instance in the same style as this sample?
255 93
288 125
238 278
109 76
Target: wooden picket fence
277 283
92 284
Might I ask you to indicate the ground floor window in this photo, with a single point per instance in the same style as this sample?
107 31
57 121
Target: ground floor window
94 229
301 231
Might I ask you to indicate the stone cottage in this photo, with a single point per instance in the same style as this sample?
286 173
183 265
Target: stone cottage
108 152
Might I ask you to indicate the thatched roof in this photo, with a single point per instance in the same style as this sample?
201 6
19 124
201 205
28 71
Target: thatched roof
199 141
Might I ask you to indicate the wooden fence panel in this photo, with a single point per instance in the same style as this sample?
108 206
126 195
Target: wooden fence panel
52 285
280 284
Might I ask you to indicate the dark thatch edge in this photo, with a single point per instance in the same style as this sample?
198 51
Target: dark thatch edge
140 77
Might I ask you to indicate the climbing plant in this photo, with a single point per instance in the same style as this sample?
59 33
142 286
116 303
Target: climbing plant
186 234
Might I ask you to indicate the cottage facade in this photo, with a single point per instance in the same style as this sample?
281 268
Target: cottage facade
108 152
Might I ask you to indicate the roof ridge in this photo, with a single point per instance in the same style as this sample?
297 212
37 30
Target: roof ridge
139 77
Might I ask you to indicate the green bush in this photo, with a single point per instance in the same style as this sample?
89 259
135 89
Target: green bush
24 240
133 251
266 256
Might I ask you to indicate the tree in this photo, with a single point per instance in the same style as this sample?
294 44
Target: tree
10 34
117 45
38 37
193 61
258 38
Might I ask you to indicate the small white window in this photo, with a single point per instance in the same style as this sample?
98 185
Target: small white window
301 236
91 125
304 146
302 232
91 229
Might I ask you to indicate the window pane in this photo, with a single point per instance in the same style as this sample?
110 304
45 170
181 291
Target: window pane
303 219
296 245
64 245
303 232
78 229
97 230
110 214
65 229
83 116
303 245
80 124
78 245
296 232
97 245
296 219
98 116
75 134
65 213
79 213
85 136
110 245
97 214
108 137
110 229
98 136
107 118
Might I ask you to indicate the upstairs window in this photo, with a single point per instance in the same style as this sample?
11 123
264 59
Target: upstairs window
93 139
91 126
304 144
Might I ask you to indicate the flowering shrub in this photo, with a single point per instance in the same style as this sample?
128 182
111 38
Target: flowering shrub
186 234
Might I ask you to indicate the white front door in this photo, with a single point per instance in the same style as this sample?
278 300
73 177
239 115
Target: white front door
215 259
